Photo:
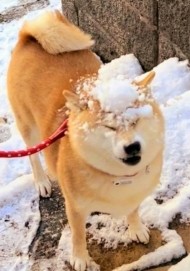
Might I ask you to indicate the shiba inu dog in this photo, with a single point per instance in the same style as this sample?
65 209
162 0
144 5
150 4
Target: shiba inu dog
96 172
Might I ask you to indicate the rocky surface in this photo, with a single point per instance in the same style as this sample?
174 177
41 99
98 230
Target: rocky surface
152 30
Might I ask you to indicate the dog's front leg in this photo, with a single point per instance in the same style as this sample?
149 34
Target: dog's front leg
137 230
80 258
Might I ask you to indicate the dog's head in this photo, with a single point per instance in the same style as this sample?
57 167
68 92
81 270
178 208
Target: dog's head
117 144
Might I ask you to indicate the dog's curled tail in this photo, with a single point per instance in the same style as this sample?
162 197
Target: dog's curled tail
56 34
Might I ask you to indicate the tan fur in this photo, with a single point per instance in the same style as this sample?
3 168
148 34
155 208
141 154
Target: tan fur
37 79
56 34
83 161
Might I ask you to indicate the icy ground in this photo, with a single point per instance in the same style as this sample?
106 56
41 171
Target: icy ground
19 203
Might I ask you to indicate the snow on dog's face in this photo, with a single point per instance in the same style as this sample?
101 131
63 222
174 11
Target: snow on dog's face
117 135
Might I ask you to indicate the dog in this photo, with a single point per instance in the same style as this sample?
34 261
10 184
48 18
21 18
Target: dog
96 173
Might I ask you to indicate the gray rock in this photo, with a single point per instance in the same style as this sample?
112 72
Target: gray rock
152 30
118 28
174 28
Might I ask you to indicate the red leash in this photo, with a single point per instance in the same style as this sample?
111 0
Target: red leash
60 132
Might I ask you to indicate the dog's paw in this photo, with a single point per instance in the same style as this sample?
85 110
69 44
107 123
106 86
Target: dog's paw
139 233
44 187
82 264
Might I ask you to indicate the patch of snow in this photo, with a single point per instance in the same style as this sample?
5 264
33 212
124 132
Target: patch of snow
172 249
12 168
182 265
4 4
176 167
19 221
172 79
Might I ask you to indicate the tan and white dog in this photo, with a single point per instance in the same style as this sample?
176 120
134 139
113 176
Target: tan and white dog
93 172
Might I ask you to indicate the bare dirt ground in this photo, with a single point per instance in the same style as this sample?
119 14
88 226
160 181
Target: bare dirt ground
53 211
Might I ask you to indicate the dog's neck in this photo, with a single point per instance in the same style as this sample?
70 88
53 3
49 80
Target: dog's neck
127 179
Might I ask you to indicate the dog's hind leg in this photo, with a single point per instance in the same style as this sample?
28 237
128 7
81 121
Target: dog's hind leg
31 138
42 182
137 230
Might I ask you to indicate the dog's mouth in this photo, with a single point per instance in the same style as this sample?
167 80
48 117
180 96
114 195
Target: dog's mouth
131 160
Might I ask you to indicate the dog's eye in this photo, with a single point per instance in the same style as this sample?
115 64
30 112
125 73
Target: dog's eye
111 128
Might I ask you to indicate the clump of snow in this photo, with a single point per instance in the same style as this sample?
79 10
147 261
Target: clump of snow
133 113
85 127
114 88
115 95
116 92
90 104
5 133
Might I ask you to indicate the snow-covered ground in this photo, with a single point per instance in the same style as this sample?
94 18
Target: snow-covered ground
7 4
19 202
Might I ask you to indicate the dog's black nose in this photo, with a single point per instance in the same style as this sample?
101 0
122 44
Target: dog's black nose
133 154
133 149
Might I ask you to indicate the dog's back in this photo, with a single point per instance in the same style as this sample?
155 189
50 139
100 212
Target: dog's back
50 56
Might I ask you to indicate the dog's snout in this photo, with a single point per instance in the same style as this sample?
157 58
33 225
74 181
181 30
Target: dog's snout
133 149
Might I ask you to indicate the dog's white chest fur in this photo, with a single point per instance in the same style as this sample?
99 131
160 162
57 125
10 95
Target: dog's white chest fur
118 196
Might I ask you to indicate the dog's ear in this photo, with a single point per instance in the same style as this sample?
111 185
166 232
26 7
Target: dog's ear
72 100
146 81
